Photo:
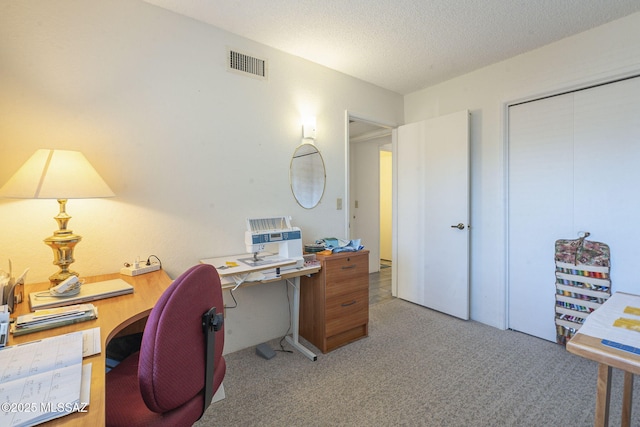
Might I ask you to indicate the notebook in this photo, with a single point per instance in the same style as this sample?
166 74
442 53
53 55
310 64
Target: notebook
88 292
41 380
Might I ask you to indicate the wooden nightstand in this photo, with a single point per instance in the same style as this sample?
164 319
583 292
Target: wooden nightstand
334 304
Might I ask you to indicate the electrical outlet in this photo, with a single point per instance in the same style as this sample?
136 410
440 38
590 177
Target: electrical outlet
142 268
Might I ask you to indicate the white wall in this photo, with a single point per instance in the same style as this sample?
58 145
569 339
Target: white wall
190 149
601 54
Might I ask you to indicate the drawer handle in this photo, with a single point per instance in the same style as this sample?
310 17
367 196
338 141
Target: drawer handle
347 304
346 267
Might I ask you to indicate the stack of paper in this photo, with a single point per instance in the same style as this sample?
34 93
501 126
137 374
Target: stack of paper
52 318
41 380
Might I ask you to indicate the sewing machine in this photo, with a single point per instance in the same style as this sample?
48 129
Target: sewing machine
263 231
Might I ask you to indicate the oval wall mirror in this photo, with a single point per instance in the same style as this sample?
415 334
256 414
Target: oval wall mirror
307 175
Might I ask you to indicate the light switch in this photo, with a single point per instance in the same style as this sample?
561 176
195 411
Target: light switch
339 204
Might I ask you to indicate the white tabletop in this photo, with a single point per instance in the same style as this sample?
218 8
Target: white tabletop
235 270
231 265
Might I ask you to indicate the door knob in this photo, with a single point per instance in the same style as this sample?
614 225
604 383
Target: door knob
460 226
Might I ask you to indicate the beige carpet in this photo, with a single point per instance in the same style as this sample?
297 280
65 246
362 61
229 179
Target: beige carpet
417 368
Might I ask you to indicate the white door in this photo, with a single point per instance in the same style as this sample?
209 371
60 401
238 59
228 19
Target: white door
432 259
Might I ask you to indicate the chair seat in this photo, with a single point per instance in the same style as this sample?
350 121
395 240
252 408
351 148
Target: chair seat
127 409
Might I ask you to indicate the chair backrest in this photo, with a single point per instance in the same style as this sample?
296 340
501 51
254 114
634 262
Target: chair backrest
172 354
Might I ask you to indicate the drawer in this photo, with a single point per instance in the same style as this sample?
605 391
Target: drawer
349 285
346 267
346 311
346 275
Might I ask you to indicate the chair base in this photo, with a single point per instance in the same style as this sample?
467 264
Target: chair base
219 394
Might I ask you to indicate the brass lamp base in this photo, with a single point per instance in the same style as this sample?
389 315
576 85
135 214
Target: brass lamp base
62 243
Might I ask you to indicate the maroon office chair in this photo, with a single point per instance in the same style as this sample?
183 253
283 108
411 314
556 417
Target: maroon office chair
164 383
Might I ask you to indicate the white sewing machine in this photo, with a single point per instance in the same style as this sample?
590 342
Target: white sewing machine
263 231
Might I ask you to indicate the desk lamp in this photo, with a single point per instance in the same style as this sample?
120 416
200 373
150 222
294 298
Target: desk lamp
61 175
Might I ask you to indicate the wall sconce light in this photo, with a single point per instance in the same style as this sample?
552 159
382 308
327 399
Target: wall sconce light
61 175
309 128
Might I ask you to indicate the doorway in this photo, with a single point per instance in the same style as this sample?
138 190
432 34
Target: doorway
368 148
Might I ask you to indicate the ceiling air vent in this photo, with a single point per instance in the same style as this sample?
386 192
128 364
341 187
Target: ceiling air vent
245 64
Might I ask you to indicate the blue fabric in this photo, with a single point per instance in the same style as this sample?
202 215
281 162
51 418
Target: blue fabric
341 245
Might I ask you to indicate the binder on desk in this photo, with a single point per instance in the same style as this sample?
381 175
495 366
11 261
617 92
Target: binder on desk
41 320
88 292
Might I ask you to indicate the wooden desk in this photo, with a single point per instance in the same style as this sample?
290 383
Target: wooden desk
591 347
114 315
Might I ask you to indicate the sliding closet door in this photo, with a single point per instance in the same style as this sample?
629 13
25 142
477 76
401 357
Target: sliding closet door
540 208
607 175
574 165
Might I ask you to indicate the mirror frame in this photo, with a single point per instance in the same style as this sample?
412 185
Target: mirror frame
306 200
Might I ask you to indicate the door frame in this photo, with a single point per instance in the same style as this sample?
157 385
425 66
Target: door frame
386 127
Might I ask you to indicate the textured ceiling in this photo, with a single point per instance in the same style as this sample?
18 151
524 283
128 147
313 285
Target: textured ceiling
403 45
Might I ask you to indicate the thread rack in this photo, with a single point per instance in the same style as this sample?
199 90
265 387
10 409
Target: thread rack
583 283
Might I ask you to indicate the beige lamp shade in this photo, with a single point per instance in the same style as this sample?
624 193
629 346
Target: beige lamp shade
56 174
62 175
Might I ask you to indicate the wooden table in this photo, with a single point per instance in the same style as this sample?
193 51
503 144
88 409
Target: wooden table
591 347
115 315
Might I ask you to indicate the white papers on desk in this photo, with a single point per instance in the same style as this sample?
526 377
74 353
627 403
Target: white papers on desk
40 380
85 388
91 342
599 324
